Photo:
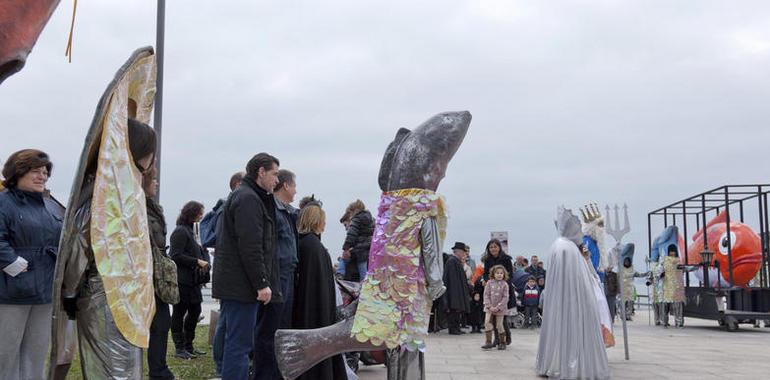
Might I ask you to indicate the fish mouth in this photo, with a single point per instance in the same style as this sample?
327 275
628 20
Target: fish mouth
748 259
10 67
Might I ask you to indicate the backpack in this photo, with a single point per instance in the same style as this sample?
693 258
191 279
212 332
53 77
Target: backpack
208 225
164 277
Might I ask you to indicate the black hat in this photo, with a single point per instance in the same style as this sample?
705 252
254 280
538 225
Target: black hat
460 245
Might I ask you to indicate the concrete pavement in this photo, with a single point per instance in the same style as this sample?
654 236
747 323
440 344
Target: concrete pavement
701 350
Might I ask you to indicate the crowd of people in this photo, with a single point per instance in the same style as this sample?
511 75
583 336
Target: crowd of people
489 296
272 271
291 283
269 269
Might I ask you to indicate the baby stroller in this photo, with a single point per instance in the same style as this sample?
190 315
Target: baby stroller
350 291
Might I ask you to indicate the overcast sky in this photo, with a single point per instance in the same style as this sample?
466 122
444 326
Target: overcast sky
610 101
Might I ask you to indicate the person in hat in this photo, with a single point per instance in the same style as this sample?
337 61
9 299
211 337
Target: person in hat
457 297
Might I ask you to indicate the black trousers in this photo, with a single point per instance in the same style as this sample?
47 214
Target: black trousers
184 319
156 352
268 321
454 318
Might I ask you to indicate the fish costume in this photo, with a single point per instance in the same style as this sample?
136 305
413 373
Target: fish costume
103 277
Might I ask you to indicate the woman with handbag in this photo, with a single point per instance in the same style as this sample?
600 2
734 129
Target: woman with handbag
192 273
164 281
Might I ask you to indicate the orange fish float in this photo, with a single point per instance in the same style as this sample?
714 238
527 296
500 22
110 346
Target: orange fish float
746 250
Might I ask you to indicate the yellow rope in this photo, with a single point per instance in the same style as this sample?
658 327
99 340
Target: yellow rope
68 52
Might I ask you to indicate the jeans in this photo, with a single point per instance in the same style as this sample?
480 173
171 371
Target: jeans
362 269
287 288
218 348
239 338
156 352
264 362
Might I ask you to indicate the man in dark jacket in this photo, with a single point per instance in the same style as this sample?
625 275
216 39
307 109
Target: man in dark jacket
274 315
246 269
457 295
358 240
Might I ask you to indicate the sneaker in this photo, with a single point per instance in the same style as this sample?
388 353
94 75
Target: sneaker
195 352
184 355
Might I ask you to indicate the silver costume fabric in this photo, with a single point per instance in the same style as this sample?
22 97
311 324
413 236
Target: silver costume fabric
676 309
104 352
405 364
571 344
432 258
26 334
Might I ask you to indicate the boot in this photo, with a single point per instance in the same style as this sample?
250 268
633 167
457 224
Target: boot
488 343
502 344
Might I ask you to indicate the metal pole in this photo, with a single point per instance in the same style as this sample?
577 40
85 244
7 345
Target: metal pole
160 36
729 238
766 253
623 303
686 250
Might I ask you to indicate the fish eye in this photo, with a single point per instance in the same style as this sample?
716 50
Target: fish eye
726 245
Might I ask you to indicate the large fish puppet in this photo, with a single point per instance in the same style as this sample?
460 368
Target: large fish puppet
21 22
405 265
746 251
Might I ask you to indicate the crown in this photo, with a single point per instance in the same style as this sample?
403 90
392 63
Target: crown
590 213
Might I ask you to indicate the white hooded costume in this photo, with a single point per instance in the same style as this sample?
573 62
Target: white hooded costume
576 325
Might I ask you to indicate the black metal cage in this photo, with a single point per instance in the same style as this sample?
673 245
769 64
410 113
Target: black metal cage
736 200
745 203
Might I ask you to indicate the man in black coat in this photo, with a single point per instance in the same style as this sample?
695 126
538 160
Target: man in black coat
457 295
246 270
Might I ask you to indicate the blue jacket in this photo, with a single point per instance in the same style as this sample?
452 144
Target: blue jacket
30 226
531 296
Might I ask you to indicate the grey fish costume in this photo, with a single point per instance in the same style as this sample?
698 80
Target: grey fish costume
111 300
414 160
571 345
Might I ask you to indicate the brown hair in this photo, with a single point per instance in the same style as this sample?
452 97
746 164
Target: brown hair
494 269
311 219
189 212
141 141
235 180
21 163
353 209
260 160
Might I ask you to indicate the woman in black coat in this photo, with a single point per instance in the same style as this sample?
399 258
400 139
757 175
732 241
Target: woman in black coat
314 295
192 264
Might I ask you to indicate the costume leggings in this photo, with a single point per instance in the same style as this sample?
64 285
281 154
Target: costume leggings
675 308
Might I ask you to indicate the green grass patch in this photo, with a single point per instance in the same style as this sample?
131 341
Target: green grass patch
196 369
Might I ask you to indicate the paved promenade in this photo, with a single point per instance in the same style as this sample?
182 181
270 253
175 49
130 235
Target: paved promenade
701 350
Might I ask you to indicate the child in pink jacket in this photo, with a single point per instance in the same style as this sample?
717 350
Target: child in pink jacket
496 305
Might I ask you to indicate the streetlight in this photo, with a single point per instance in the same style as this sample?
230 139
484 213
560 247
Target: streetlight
706 258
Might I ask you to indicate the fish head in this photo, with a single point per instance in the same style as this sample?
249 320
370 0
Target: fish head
743 244
20 25
419 158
